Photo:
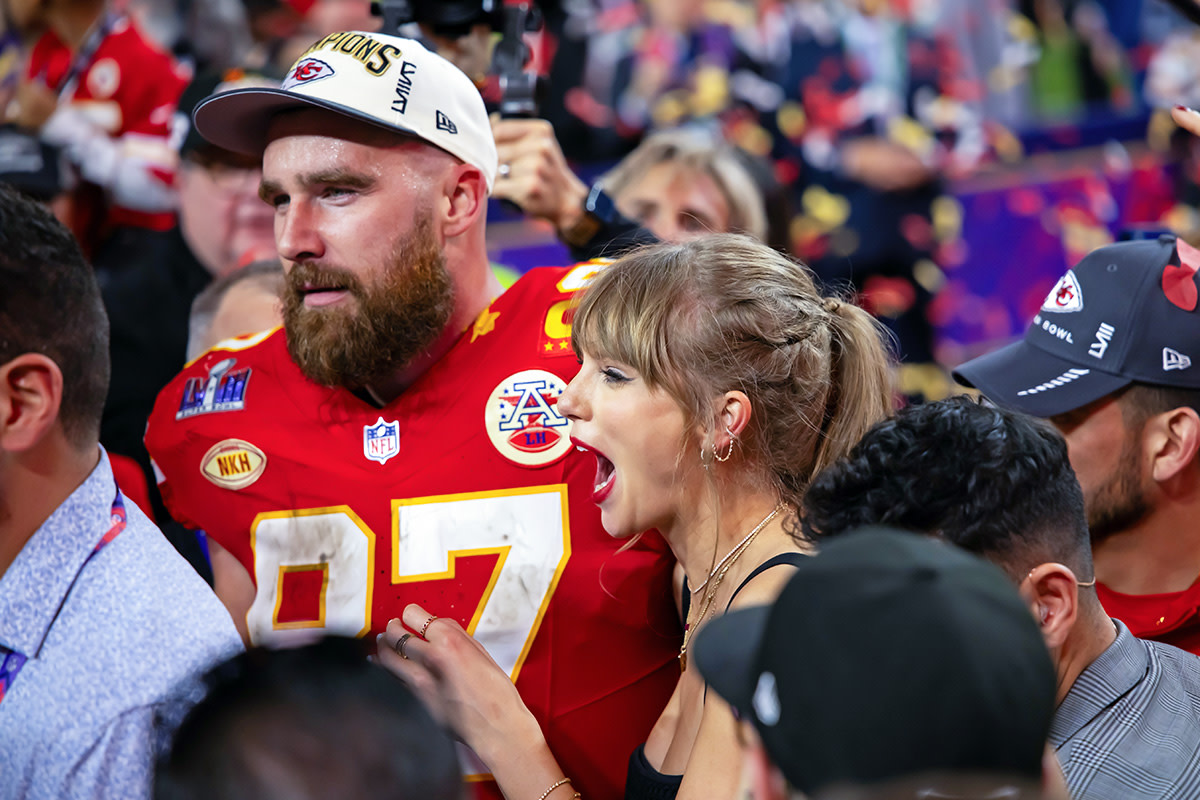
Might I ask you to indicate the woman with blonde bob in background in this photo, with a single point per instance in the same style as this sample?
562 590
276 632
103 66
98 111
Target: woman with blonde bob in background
715 383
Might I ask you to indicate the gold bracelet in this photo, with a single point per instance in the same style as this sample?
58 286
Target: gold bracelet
554 786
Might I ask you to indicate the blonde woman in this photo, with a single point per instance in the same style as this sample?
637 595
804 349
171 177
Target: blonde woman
715 382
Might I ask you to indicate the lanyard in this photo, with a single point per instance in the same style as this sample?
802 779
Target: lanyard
85 54
12 661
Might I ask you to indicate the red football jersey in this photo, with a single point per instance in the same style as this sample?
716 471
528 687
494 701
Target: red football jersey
464 494
128 89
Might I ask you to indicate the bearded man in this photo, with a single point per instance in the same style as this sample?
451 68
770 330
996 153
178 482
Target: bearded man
398 441
1113 360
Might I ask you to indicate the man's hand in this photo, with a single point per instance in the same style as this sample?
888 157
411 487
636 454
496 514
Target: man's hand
35 102
534 173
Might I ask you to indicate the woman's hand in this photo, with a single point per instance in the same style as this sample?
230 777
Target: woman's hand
461 684
1187 118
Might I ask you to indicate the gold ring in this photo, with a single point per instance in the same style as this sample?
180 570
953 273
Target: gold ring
403 640
425 627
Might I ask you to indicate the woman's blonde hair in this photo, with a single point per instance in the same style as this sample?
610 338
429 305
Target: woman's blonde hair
705 154
727 312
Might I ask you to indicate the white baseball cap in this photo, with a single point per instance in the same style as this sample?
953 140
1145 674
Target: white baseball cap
387 81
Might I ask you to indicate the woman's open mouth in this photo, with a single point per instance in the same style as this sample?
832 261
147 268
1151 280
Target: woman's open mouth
606 473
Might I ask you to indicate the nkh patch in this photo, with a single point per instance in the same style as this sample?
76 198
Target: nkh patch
522 419
1066 295
381 441
307 70
223 390
233 464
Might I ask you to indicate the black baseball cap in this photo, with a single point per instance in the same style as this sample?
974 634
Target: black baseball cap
1125 313
203 86
888 654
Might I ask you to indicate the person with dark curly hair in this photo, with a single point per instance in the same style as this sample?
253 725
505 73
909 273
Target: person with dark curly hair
999 484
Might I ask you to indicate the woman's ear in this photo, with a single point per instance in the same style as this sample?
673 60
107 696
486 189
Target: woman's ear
733 413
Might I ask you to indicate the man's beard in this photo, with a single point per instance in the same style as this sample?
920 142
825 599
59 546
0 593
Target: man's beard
382 327
1119 502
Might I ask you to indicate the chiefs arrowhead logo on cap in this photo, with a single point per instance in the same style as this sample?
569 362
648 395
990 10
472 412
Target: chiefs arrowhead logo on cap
1065 296
307 70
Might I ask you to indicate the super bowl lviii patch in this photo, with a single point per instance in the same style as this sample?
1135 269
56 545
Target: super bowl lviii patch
522 420
233 464
223 390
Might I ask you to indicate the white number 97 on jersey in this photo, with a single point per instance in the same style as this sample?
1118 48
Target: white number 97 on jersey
328 555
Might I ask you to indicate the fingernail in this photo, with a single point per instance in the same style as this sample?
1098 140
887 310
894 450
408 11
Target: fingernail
1188 110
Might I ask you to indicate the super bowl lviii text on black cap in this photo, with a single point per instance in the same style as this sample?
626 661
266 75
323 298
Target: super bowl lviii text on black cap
1126 312
888 654
387 81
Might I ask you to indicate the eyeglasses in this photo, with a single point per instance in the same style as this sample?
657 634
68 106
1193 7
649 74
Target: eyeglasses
1079 583
227 175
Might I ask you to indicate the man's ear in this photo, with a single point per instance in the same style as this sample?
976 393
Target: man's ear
761 779
466 193
1052 593
31 387
1171 441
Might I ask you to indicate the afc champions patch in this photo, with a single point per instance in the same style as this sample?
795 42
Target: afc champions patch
381 441
1066 295
522 420
233 464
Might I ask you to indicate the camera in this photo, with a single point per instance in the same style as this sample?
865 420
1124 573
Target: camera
450 18
453 19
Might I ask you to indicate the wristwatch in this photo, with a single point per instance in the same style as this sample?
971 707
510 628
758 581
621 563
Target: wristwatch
598 211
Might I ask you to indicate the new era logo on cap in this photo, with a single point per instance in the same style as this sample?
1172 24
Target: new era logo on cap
1173 359
444 124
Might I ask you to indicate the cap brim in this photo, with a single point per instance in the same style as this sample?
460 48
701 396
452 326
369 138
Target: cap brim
726 653
238 120
1028 379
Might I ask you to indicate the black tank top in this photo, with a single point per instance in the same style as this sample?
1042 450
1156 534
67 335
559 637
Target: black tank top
644 782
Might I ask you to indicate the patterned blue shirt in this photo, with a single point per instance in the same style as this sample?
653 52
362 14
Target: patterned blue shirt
91 647
1129 728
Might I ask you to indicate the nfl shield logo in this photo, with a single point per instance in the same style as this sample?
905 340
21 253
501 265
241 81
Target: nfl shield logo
381 441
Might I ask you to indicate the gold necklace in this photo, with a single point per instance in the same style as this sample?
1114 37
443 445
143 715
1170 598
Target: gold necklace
714 580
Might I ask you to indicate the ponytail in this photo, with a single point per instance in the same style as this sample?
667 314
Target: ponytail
862 385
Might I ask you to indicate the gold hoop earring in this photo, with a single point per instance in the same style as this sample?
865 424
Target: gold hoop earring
729 451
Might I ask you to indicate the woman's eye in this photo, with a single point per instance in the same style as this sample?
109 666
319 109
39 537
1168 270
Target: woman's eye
613 375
